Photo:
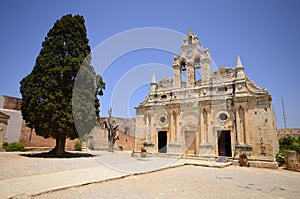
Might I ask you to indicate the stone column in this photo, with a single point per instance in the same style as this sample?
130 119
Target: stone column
190 75
208 124
242 125
147 127
172 126
238 130
205 70
246 132
177 76
203 126
175 126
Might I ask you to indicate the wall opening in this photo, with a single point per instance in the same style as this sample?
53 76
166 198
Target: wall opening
162 142
224 143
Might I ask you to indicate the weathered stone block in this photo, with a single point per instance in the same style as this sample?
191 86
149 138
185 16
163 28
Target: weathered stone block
292 160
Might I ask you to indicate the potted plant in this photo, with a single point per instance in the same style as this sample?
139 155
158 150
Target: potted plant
143 152
243 159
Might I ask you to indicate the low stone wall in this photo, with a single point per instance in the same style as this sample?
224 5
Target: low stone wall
30 140
267 163
292 160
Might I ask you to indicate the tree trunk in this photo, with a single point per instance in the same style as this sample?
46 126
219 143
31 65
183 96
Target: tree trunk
110 146
59 148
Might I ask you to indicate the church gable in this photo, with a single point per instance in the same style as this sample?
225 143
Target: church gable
221 114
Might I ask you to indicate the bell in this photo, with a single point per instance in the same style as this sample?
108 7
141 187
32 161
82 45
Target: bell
197 66
183 68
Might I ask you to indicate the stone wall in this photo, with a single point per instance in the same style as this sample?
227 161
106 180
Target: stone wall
11 106
11 103
292 160
125 125
99 137
292 132
29 139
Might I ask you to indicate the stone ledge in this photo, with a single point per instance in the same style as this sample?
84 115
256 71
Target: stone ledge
259 164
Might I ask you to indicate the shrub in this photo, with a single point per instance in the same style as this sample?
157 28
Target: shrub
280 158
78 145
295 146
289 143
91 146
4 144
120 148
15 146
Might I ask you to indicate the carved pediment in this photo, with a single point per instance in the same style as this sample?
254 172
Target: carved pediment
165 83
252 87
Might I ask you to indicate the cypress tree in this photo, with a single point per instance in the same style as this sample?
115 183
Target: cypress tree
48 90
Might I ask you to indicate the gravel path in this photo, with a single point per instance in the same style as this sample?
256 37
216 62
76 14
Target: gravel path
193 182
181 182
13 165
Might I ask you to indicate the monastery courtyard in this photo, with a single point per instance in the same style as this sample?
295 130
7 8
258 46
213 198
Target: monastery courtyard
119 175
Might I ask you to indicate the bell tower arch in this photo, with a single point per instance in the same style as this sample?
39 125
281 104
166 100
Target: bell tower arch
190 58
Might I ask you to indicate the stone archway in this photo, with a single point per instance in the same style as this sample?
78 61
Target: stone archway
224 143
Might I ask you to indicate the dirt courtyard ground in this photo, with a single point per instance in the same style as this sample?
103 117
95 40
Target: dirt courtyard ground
193 182
180 182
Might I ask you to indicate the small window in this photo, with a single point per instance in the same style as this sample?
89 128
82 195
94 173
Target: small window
163 119
197 62
163 96
190 39
222 89
126 130
223 116
190 53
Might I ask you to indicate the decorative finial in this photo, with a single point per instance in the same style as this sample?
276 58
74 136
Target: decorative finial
153 79
239 63
190 31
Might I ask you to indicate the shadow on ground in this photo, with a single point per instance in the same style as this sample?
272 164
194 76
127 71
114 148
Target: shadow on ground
51 155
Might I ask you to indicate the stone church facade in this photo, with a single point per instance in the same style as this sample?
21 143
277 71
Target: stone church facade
221 114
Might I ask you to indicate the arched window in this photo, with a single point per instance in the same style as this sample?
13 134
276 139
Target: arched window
197 62
190 39
183 65
127 130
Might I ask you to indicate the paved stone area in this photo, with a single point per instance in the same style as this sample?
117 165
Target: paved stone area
23 177
193 182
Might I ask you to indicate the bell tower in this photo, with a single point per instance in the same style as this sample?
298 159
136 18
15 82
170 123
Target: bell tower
191 57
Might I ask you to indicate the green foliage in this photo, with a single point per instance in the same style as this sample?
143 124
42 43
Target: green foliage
78 145
91 145
295 146
120 148
15 146
48 90
289 143
280 158
4 144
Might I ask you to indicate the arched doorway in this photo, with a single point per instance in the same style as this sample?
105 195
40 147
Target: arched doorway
224 143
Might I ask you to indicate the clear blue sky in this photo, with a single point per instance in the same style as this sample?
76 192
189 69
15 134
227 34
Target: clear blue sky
266 35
